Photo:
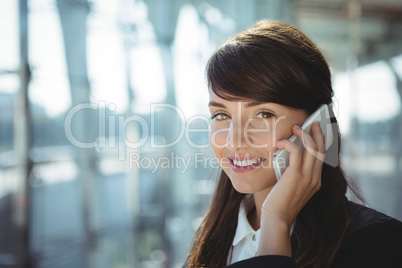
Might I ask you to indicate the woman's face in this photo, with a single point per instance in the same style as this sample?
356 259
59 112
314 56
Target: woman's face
243 137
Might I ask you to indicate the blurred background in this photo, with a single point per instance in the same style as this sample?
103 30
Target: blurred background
92 90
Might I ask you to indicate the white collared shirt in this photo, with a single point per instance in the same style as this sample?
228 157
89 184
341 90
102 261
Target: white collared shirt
245 242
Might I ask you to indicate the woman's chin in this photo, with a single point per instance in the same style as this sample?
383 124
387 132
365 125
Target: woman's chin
243 190
247 187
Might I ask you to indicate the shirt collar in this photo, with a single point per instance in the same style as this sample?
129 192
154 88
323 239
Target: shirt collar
243 226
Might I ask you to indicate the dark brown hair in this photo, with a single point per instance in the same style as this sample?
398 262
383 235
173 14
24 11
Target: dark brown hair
275 62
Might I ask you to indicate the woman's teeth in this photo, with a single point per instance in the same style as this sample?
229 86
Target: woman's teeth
245 163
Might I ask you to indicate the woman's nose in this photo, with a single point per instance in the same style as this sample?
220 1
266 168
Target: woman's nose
237 136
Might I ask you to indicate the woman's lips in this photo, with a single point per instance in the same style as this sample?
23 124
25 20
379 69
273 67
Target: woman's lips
242 165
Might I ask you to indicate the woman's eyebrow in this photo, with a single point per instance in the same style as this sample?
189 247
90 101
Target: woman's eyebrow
217 104
253 103
247 104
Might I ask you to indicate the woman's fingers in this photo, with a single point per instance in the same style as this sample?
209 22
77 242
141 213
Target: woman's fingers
295 154
310 161
310 150
315 153
319 140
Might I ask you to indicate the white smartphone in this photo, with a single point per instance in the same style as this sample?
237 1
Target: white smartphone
323 115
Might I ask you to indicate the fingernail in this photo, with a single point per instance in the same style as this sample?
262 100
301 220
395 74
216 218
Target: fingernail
317 123
296 126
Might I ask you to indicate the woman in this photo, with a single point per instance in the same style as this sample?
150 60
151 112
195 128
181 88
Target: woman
263 84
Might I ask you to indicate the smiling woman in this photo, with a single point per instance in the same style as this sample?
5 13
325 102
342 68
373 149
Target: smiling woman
264 83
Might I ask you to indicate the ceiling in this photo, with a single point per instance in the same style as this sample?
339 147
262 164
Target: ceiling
368 30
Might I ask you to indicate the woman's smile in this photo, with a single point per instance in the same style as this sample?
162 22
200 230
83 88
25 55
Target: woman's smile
242 164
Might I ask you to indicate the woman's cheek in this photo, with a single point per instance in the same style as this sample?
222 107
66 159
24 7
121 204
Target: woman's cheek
263 139
269 136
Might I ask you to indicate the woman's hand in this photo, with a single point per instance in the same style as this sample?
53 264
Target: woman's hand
300 181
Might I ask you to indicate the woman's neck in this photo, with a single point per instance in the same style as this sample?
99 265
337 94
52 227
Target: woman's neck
254 217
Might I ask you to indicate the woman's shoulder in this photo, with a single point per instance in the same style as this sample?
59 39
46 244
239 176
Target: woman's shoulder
368 224
372 240
363 217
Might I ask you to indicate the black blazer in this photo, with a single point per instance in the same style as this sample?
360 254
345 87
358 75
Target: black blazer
373 240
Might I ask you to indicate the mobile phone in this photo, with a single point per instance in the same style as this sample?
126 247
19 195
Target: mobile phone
323 115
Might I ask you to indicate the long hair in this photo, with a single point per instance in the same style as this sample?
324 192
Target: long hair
275 62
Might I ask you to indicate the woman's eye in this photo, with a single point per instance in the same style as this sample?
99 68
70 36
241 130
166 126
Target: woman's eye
265 115
220 116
